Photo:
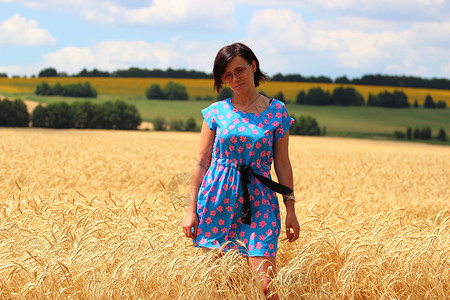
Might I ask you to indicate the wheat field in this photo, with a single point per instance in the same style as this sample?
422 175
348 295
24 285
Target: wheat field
96 215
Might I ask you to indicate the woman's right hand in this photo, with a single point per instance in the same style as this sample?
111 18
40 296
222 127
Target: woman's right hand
190 225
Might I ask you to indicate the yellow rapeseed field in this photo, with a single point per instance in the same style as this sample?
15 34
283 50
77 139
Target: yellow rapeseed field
204 87
96 215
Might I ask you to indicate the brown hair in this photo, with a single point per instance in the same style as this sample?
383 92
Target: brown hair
226 54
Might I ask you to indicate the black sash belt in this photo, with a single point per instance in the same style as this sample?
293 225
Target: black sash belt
245 179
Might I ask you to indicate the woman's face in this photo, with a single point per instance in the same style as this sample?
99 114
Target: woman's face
239 75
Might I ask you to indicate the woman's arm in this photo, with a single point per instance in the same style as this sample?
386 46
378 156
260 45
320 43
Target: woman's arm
283 169
201 165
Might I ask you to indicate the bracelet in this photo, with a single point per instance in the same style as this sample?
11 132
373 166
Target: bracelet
289 198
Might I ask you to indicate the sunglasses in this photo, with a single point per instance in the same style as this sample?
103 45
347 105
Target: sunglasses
238 72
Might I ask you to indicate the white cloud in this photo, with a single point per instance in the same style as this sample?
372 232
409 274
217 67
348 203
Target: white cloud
10 69
353 43
446 69
423 34
280 26
175 14
114 55
19 31
180 14
384 9
69 59
312 37
430 2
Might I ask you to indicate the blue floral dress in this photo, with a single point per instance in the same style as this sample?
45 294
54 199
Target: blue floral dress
241 138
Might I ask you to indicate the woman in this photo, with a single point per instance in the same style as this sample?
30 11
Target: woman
231 204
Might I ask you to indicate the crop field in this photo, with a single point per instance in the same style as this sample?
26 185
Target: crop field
135 87
96 215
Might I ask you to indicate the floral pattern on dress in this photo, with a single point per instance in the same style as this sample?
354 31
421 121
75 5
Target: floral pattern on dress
241 138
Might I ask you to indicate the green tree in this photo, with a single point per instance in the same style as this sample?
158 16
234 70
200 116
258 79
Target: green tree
317 96
441 104
88 90
124 116
190 124
5 111
416 133
409 133
425 133
69 90
442 136
20 112
176 125
175 91
39 116
400 99
342 80
400 135
43 89
429 102
13 113
83 115
154 92
372 100
305 126
225 93
346 96
280 96
60 115
49 72
397 99
106 116
58 89
159 124
301 97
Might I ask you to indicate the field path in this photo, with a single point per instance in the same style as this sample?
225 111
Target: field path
31 105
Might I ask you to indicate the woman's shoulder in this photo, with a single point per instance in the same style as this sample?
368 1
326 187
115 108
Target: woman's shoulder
277 104
218 104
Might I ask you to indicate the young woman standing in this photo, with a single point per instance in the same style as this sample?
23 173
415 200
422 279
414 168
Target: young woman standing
232 197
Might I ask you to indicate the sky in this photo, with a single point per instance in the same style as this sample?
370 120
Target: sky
332 38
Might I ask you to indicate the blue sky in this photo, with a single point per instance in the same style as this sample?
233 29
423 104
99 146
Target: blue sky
309 37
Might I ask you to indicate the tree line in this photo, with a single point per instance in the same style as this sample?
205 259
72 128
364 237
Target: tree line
87 115
81 115
68 90
107 115
13 113
370 79
120 115
348 96
420 133
130 72
341 96
172 91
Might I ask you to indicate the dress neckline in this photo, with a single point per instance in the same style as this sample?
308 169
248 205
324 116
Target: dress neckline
245 112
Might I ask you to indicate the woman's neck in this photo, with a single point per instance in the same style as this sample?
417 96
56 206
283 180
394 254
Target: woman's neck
246 99
253 103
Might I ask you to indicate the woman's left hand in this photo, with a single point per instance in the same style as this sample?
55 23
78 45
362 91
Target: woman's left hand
292 224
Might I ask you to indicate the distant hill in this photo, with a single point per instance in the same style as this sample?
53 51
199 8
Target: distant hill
371 79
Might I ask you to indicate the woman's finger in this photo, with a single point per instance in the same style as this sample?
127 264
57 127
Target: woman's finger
194 234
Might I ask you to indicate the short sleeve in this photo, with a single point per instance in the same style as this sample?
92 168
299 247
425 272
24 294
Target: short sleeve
209 117
285 121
